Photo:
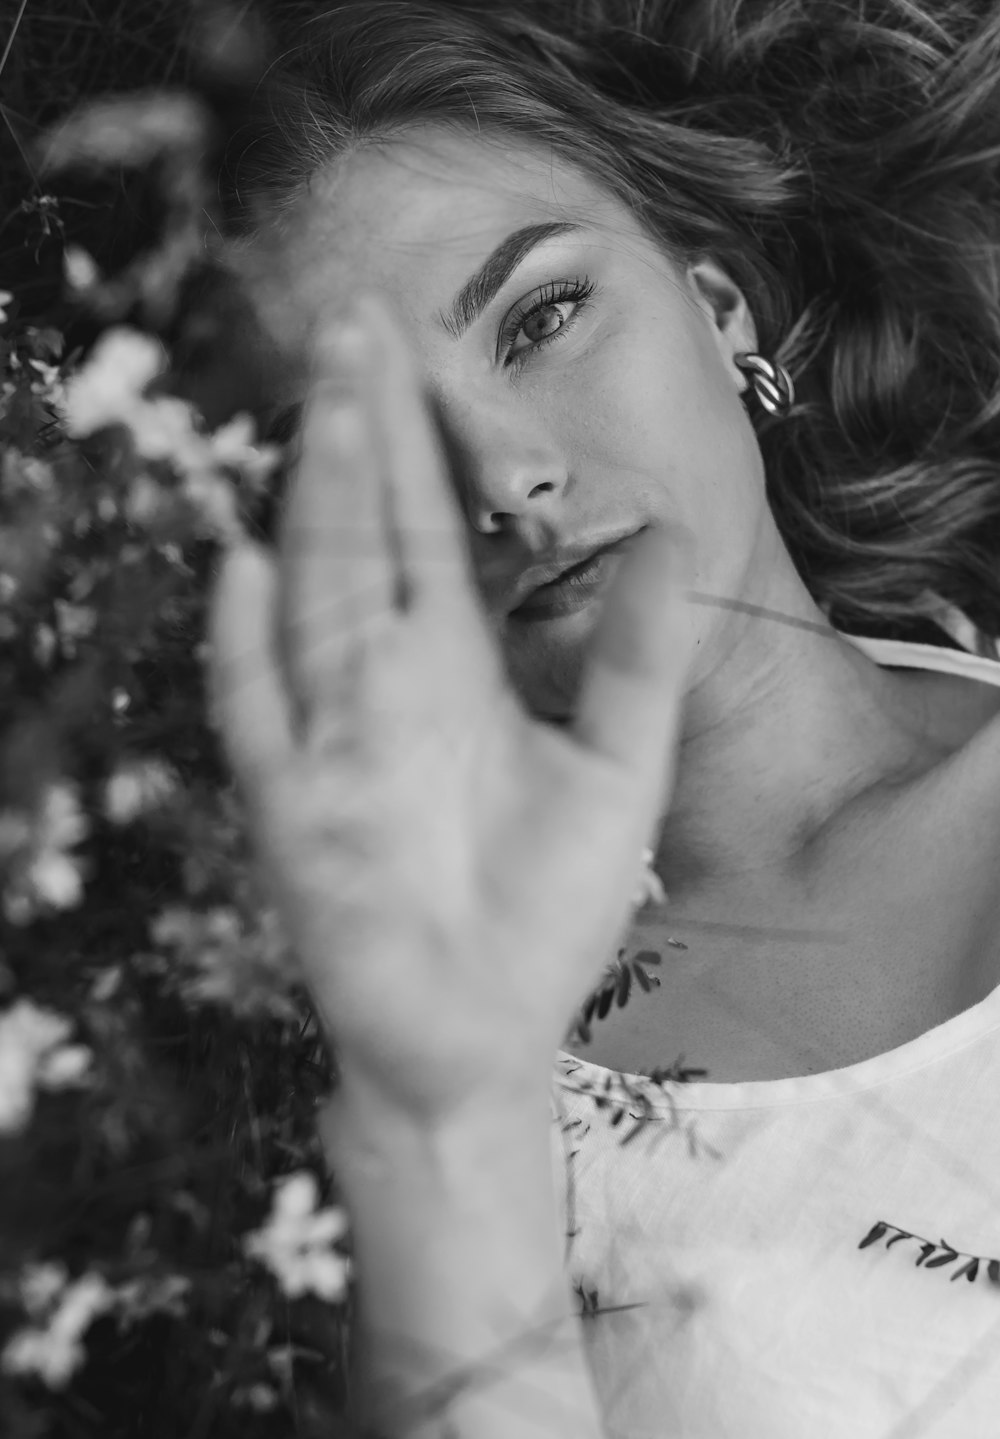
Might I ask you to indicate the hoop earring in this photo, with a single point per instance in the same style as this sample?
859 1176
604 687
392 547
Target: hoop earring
772 383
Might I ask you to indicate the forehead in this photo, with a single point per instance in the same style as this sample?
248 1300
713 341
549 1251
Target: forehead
431 202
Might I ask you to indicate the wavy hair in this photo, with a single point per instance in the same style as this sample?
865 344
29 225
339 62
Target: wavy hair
839 158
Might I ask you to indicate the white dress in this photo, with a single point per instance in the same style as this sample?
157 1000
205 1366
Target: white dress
803 1258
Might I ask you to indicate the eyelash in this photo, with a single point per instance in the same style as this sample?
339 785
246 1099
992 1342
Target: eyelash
554 293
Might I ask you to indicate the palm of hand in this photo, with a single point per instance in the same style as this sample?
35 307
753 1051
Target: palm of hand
453 873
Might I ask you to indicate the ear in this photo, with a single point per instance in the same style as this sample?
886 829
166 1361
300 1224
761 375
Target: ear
724 306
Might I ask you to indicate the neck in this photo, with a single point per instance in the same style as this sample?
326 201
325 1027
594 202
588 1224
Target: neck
791 724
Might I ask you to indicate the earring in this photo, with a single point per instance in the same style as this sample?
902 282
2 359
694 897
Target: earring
772 383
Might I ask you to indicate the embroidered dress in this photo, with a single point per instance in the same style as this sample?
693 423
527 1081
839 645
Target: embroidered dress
720 1255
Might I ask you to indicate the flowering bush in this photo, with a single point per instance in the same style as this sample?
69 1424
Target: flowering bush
173 1258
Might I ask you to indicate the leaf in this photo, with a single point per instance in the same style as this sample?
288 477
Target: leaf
873 1235
897 1237
624 986
636 1128
941 1259
648 956
926 1250
604 1000
993 1270
642 977
970 1270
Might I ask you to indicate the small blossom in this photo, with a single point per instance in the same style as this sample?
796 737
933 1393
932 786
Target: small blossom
74 622
49 385
51 876
260 1397
106 985
80 269
136 788
65 1067
295 1241
163 429
234 444
54 1351
44 644
145 501
137 1299
41 1285
48 373
32 1043
251 970
214 499
107 390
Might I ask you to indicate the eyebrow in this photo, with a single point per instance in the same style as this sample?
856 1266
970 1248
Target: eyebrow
495 271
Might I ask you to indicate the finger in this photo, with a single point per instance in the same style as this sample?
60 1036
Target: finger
247 694
337 577
631 700
427 519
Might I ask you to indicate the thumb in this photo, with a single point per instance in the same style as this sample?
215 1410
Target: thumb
630 705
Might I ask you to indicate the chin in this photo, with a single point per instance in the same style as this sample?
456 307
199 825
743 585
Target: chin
547 671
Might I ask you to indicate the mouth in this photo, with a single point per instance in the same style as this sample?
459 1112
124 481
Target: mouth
576 587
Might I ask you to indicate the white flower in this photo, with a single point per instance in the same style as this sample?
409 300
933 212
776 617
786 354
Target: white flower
295 1242
63 822
233 444
137 1299
41 1285
137 787
80 269
5 299
108 389
65 1067
214 499
163 429
73 622
54 1351
33 1053
51 875
145 500
260 1397
249 968
49 384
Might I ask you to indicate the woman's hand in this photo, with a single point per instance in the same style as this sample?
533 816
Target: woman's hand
453 874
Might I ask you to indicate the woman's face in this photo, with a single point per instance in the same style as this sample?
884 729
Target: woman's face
628 416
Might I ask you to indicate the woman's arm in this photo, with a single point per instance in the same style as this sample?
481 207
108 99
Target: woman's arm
465 1326
448 869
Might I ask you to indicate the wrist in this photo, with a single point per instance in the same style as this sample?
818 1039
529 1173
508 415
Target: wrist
368 1100
366 1134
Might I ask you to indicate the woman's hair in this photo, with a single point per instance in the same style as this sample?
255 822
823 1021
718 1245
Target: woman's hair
839 158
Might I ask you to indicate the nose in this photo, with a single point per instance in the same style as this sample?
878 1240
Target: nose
507 470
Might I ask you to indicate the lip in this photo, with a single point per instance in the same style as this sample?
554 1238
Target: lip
575 587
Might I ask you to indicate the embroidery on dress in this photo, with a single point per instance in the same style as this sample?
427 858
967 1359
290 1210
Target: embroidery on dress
929 1258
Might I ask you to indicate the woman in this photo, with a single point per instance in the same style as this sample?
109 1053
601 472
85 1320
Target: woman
716 287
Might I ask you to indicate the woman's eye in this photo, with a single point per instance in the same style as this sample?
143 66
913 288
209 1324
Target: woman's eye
555 294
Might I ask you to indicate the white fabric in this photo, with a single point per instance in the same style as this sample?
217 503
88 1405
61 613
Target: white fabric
733 1219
